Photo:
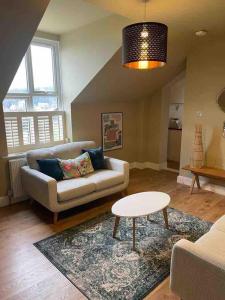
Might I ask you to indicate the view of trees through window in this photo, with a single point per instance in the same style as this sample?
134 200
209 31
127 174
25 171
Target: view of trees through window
35 86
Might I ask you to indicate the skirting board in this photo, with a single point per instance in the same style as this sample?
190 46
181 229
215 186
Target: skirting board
205 185
145 165
4 201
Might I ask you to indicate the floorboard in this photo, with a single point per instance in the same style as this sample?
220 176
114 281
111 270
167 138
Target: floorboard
26 274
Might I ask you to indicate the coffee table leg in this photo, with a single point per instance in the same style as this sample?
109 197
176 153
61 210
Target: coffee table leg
133 234
117 220
165 217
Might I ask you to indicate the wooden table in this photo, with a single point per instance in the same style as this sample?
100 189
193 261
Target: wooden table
208 172
140 205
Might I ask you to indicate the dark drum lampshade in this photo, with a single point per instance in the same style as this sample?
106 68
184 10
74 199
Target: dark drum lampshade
144 45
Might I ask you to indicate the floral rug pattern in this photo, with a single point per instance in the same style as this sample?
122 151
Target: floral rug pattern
104 268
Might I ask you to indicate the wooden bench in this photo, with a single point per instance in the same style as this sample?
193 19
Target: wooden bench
214 173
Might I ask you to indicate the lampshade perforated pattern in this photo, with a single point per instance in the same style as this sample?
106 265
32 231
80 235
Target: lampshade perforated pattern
144 45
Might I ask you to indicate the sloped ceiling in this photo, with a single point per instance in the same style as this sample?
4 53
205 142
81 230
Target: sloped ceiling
63 16
115 83
183 18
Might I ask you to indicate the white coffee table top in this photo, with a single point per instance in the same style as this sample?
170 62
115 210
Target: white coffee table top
140 204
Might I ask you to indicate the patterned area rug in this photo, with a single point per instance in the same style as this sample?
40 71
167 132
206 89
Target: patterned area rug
103 268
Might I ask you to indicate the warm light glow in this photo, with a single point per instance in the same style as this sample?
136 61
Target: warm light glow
144 64
144 45
144 34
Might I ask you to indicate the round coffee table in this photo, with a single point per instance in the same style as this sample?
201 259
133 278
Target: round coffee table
140 205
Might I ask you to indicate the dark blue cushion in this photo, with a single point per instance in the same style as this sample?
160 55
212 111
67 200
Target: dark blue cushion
51 168
97 157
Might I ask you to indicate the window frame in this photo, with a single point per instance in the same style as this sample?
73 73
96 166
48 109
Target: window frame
54 45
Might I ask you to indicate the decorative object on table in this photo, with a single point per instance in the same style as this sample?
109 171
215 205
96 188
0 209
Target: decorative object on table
102 267
112 131
197 159
144 45
97 157
140 205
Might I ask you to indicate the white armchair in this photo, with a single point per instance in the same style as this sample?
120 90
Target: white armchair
198 269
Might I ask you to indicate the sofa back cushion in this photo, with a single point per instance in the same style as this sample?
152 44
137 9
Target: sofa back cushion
65 151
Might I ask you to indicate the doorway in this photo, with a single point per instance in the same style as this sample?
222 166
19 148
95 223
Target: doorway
174 135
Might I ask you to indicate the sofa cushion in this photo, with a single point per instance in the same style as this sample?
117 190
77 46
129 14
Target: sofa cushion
71 150
34 155
51 167
219 224
97 157
74 188
64 151
105 178
213 242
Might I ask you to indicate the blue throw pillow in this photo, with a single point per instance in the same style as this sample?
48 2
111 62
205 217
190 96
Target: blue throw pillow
97 157
51 168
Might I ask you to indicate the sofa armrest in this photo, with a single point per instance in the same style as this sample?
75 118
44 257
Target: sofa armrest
196 273
118 165
40 187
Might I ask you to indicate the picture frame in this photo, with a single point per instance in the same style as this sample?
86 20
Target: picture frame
112 130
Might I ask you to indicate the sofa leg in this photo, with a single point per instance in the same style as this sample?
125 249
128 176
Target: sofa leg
55 217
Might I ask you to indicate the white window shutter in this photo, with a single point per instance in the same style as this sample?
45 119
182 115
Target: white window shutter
28 130
12 132
57 123
44 129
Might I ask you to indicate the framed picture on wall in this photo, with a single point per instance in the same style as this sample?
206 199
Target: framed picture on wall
112 131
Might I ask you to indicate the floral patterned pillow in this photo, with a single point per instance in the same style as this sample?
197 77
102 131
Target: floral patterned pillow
79 166
84 164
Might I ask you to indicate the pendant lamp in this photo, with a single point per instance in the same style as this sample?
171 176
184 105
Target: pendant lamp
144 45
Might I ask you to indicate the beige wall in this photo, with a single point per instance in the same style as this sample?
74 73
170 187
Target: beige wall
84 52
205 78
87 125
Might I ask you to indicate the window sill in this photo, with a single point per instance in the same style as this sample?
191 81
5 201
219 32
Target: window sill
15 155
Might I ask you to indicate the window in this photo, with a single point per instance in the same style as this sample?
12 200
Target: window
36 85
32 107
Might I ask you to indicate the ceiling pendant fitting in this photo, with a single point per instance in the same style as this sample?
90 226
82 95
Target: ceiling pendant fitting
144 45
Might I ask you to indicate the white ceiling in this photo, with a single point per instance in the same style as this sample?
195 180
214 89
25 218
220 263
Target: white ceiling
63 16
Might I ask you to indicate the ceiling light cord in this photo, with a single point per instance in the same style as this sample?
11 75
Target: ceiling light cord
145 12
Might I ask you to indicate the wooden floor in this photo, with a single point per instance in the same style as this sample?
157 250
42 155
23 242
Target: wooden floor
26 274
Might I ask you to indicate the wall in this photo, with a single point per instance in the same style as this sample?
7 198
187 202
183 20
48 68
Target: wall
84 52
205 78
18 24
87 125
155 118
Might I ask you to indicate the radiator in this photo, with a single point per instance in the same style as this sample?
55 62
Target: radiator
16 193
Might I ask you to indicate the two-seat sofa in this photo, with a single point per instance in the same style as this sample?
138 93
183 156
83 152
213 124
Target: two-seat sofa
198 269
65 194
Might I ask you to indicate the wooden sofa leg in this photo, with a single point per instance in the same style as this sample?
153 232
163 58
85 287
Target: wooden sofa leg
55 217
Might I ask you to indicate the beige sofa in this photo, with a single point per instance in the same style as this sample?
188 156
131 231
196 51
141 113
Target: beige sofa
65 194
198 269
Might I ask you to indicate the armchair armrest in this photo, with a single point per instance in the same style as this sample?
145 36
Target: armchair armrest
196 274
40 187
118 165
